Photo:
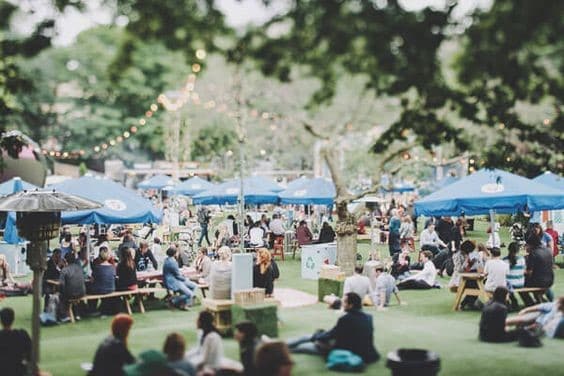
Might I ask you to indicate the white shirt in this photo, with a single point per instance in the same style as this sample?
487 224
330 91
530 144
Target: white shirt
358 284
428 237
428 274
277 226
496 271
256 234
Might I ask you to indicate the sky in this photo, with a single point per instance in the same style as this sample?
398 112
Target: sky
238 14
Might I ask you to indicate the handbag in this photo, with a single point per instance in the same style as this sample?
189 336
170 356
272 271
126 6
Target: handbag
344 361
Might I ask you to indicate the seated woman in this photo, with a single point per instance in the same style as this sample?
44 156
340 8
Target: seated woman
516 275
174 348
220 275
8 285
256 235
113 353
327 234
103 281
400 264
203 263
222 236
175 281
264 272
425 279
126 273
274 359
246 334
208 355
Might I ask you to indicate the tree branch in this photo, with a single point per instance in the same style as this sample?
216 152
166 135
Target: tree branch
309 128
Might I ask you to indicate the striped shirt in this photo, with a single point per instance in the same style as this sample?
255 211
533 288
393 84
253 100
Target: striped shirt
516 276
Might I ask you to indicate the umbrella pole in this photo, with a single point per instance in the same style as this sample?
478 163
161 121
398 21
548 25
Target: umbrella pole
492 224
36 259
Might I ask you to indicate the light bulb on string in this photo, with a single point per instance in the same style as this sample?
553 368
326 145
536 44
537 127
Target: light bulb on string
201 54
142 121
154 107
97 149
133 129
149 114
126 134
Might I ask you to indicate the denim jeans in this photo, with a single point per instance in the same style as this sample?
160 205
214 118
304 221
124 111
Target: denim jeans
203 233
187 290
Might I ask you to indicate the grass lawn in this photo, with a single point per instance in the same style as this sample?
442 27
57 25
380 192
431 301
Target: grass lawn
426 322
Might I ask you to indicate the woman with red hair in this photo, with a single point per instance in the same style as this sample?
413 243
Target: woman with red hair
113 354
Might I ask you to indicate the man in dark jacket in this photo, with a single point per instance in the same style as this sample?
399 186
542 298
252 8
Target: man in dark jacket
540 271
354 332
492 322
71 284
144 256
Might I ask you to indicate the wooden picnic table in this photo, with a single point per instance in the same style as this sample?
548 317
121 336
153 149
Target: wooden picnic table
464 290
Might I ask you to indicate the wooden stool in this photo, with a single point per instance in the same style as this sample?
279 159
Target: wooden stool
278 248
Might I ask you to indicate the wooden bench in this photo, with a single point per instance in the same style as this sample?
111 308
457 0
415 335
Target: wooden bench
537 292
124 295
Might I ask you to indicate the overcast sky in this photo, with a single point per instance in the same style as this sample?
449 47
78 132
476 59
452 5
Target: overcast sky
238 14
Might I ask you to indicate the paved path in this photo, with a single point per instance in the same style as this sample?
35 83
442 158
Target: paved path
293 298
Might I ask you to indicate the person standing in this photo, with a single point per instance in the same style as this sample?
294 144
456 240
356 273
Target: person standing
203 217
554 235
15 345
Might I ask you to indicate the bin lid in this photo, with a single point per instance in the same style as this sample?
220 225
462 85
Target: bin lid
413 358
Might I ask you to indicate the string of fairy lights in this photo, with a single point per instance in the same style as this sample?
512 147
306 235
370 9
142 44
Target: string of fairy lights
187 94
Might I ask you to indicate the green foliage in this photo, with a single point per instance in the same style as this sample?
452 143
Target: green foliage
82 169
212 141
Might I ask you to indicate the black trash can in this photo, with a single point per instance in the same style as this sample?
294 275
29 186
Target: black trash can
411 362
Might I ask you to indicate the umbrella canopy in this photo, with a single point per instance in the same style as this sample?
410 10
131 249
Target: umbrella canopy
550 179
265 183
46 202
296 182
227 194
191 187
157 182
490 190
121 205
15 185
318 191
399 187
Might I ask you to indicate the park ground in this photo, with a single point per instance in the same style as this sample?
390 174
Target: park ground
427 321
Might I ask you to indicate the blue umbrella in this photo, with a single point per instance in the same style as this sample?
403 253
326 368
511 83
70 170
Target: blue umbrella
488 190
264 183
550 179
157 182
15 185
318 191
10 230
227 193
191 187
121 205
297 182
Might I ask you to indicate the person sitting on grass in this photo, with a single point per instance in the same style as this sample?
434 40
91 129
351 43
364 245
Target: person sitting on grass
354 332
113 354
273 359
496 271
546 316
358 283
383 286
208 355
246 334
492 321
175 281
15 345
174 348
425 279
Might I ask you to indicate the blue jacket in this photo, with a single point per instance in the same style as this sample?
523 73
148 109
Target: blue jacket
171 274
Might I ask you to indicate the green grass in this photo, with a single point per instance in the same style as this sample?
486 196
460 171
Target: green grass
426 322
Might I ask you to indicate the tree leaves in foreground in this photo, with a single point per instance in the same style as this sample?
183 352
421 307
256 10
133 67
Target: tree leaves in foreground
512 53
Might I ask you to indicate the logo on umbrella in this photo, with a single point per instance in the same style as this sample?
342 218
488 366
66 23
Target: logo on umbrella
116 205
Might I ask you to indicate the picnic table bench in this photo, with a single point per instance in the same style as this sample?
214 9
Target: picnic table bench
124 295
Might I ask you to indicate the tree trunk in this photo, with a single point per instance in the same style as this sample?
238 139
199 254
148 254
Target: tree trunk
346 238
